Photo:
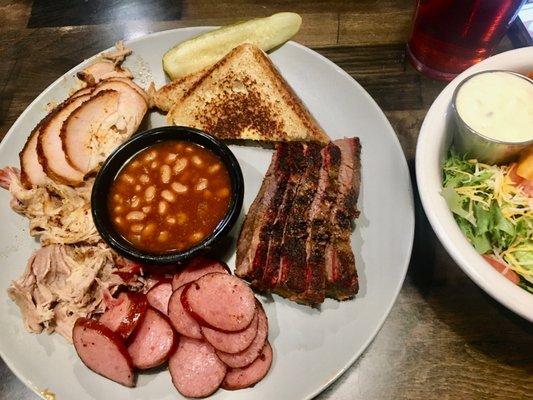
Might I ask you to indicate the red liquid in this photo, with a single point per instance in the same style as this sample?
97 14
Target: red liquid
451 35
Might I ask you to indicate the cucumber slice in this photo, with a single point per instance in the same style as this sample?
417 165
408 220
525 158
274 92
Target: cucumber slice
204 50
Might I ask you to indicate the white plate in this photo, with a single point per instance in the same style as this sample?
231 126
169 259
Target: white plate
433 143
311 348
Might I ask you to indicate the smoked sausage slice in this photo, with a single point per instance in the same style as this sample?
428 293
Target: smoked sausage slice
126 314
181 320
248 356
159 295
220 301
240 378
196 268
102 351
195 369
152 342
231 342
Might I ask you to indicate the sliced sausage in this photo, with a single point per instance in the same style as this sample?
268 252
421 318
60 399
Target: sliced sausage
240 378
152 342
196 268
195 368
124 317
181 320
231 342
248 356
220 301
102 351
159 295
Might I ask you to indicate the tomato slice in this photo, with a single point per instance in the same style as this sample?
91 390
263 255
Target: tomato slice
503 269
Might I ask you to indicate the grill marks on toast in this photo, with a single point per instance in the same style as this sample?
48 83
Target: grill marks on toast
295 240
243 96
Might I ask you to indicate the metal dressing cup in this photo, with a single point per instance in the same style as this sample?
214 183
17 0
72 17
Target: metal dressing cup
472 143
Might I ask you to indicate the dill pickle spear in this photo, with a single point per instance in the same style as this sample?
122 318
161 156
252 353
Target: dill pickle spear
206 49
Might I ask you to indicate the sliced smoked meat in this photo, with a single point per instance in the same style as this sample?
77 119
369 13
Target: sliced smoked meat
341 274
181 320
196 268
125 313
240 378
81 127
293 275
102 351
159 295
220 301
31 170
101 70
195 369
231 342
252 249
50 148
248 355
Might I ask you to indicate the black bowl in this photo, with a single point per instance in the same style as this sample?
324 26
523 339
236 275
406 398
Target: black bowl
119 158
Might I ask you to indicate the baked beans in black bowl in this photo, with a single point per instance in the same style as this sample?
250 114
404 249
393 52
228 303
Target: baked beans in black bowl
167 194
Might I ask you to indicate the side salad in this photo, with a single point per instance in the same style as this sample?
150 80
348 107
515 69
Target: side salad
493 206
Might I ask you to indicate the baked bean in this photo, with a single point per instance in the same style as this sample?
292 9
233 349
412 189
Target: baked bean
196 237
135 202
207 194
168 196
144 178
119 221
179 187
163 236
137 228
150 156
149 230
202 184
179 165
165 173
118 209
171 220
146 209
224 192
135 216
154 165
149 193
181 217
189 149
171 157
214 168
162 207
197 161
117 198
128 178
138 188
135 164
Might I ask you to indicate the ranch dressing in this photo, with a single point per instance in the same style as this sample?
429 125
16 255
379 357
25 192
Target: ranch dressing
497 105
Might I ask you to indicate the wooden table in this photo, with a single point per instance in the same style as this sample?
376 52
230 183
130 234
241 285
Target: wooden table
445 338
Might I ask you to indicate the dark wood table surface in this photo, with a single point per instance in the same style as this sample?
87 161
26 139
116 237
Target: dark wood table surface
445 338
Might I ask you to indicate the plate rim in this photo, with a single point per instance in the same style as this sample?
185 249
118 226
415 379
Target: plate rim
393 138
457 246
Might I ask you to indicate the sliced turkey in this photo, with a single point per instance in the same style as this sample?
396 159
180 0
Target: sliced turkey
50 148
133 85
82 125
101 70
32 172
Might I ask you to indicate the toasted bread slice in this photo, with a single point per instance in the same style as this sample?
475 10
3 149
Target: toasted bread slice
166 96
243 96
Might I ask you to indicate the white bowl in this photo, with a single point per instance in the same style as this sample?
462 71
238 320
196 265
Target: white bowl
433 143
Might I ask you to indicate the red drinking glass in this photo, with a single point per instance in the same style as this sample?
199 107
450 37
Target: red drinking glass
451 35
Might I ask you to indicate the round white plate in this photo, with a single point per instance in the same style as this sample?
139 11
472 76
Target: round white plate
311 347
433 143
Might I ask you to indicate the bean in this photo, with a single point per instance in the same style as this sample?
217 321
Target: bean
171 157
149 230
196 237
144 178
146 209
163 236
179 187
135 202
214 168
118 209
127 178
149 193
224 192
135 238
168 195
189 149
118 198
137 228
207 194
171 220
135 216
165 173
202 184
154 165
119 221
150 156
179 147
179 165
180 246
162 207
135 164
138 188
197 161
